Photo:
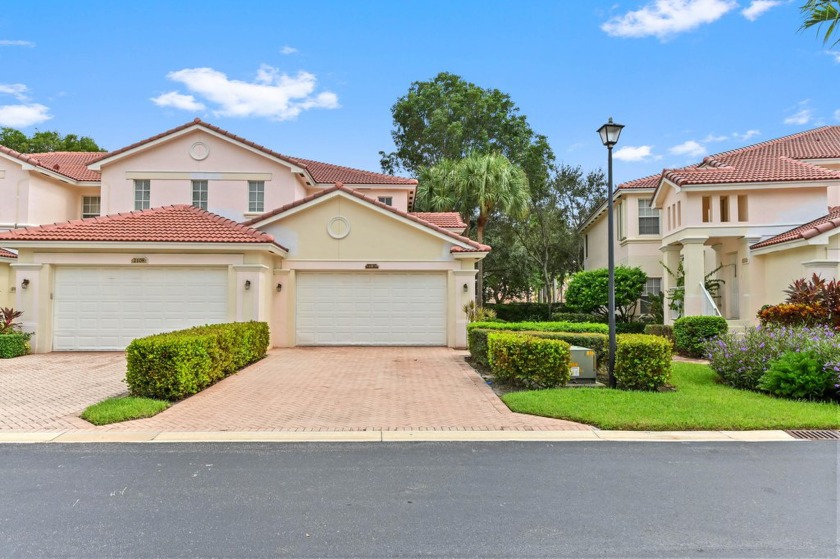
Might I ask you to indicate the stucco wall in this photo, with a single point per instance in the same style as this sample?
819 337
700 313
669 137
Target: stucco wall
14 194
6 296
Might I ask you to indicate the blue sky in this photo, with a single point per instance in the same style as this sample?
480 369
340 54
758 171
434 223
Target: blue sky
317 79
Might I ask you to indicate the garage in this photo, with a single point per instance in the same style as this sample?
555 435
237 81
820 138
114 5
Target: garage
105 308
371 308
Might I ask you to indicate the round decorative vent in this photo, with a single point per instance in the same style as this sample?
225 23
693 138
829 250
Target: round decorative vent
338 227
199 151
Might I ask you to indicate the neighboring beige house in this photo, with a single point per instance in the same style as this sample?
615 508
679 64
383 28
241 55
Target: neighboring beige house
197 225
741 211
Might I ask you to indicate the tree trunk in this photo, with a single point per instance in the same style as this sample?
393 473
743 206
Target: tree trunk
479 233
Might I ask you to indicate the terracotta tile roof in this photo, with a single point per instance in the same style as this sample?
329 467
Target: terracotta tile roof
647 182
6 254
447 220
71 164
776 160
807 231
175 224
476 247
321 172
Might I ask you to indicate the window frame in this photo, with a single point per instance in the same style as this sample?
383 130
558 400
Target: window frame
200 188
256 197
387 200
645 205
647 291
86 213
142 194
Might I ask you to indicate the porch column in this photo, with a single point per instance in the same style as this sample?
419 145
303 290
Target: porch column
694 267
751 280
33 297
251 291
671 260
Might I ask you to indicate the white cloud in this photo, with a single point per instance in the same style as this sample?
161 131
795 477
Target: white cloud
800 117
273 94
690 148
712 138
757 8
16 90
664 18
834 54
16 43
288 50
747 135
633 153
178 101
837 114
21 116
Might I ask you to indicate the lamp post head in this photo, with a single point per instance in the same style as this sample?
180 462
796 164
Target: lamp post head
609 133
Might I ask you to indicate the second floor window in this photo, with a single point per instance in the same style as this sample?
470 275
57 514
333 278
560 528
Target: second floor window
648 219
91 206
199 194
142 194
256 196
387 200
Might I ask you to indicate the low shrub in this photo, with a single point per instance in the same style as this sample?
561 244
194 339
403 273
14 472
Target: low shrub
576 317
798 375
642 362
542 326
630 327
794 314
741 360
599 343
691 333
663 330
528 361
521 312
14 344
175 365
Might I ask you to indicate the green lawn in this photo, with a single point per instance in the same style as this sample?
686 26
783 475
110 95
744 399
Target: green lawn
123 408
699 403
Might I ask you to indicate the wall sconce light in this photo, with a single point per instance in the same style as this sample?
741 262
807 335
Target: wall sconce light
466 288
247 284
279 287
24 284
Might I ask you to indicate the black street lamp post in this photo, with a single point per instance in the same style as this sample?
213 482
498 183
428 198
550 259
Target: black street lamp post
609 137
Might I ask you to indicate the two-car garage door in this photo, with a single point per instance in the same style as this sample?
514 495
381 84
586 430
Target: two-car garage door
106 308
371 308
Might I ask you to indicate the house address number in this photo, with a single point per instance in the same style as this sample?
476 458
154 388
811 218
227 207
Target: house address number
141 260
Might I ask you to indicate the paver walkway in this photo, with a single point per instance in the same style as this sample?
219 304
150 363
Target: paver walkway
295 389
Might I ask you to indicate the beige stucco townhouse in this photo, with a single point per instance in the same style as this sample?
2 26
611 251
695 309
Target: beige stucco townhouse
197 225
762 216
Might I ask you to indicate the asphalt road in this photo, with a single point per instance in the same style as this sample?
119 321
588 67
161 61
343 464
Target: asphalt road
575 499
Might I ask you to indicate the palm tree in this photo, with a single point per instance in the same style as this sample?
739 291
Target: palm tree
476 187
818 12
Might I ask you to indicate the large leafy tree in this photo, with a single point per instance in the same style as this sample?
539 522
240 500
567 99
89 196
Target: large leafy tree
816 13
477 187
44 142
448 117
588 291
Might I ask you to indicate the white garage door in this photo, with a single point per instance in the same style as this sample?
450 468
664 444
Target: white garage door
376 308
106 308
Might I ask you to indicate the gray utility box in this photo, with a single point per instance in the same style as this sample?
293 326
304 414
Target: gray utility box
582 364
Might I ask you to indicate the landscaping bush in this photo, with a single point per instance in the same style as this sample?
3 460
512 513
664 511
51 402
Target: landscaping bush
817 292
691 333
663 330
630 327
528 361
175 365
542 326
588 291
14 344
798 375
599 343
575 317
521 312
741 360
642 362
794 314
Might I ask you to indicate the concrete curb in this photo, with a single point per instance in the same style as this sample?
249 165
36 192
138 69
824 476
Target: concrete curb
389 436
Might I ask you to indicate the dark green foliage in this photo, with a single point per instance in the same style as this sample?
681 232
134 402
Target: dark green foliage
642 362
14 344
575 317
520 312
44 142
630 327
175 365
800 376
664 330
599 343
588 291
527 361
691 333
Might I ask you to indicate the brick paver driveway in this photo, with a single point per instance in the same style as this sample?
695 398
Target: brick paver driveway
296 389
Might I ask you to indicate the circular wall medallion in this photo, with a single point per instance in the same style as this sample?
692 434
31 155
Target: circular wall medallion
199 151
338 227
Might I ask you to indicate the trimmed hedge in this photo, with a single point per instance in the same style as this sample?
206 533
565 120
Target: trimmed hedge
599 343
519 312
575 317
642 362
692 332
630 327
528 361
542 326
175 365
14 344
664 330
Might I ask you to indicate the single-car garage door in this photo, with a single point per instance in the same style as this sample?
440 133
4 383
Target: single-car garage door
105 308
371 308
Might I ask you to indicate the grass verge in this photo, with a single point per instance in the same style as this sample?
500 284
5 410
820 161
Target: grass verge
699 403
123 408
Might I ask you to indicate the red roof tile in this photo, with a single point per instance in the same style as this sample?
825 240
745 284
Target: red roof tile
807 231
6 254
447 220
476 247
647 182
72 164
169 224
